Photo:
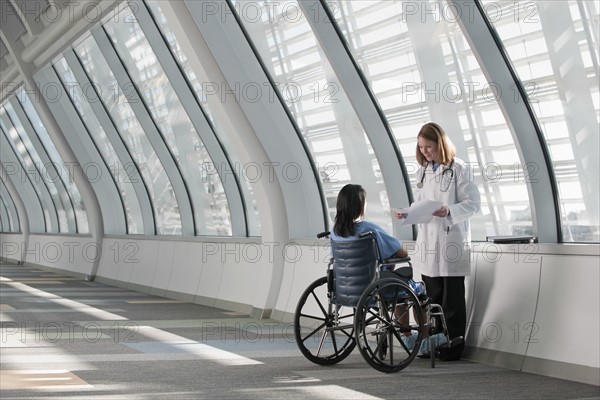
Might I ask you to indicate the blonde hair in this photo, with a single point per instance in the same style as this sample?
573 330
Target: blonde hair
445 150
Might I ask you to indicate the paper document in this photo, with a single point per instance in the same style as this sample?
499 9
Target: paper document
420 212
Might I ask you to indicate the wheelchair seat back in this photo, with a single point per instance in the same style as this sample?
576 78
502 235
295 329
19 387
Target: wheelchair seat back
354 266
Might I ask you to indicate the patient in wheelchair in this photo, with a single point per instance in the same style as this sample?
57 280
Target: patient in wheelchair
349 224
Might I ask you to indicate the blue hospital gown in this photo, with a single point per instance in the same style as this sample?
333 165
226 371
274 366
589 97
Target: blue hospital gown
388 245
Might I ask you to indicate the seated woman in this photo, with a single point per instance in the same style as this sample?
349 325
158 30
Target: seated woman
348 225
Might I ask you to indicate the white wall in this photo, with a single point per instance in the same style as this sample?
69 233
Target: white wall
75 254
222 273
12 247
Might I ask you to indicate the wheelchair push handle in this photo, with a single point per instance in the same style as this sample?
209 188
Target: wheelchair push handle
327 233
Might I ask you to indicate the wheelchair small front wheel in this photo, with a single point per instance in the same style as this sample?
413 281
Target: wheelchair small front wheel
323 331
389 325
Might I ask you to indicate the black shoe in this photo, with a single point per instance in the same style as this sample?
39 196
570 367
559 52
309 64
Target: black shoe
451 353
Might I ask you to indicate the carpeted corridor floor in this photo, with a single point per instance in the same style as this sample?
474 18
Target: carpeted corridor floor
67 338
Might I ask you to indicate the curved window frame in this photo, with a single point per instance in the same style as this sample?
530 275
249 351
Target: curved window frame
81 217
14 221
314 128
51 162
28 168
239 190
209 194
284 163
122 176
22 182
436 94
125 110
89 162
554 96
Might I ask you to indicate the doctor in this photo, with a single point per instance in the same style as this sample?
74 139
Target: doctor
443 245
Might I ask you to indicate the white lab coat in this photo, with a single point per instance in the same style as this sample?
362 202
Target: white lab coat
443 245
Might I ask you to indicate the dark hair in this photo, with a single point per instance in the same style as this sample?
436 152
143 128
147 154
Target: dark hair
350 206
434 133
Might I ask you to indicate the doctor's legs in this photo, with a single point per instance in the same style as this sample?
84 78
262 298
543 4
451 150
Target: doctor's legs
449 292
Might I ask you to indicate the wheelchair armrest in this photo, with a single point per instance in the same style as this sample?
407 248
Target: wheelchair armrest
396 260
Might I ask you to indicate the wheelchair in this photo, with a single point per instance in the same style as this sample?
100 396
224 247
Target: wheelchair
359 303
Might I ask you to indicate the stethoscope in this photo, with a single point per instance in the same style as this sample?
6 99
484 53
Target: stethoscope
448 181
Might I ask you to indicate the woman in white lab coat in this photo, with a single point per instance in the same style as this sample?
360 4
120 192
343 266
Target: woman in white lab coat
442 252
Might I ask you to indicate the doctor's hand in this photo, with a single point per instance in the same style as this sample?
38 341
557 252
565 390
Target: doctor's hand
398 214
443 212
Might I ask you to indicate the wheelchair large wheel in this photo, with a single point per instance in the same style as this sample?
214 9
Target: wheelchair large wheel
378 329
324 332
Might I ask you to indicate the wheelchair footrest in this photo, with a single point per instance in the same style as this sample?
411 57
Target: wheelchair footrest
403 328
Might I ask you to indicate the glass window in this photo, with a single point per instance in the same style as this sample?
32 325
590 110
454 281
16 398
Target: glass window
553 46
166 210
49 174
122 174
28 171
206 190
253 220
73 194
312 92
420 68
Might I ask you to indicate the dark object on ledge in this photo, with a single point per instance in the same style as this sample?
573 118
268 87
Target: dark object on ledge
510 239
